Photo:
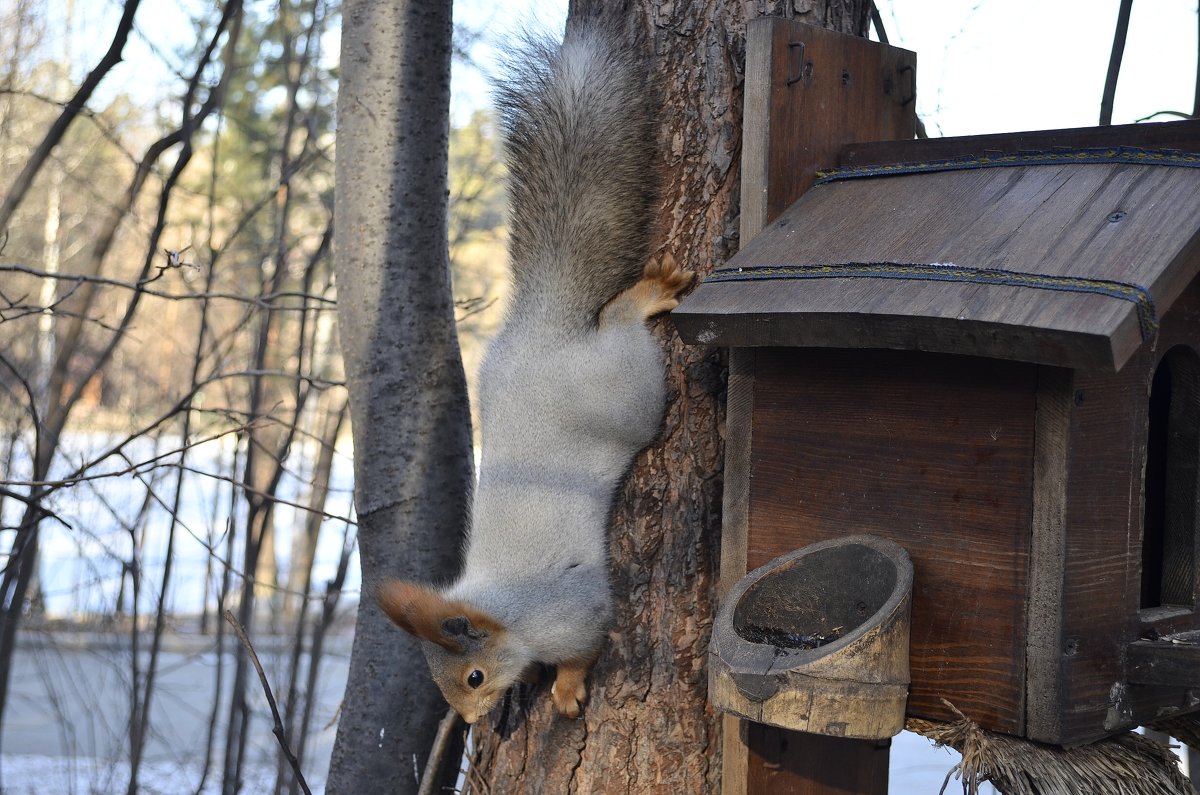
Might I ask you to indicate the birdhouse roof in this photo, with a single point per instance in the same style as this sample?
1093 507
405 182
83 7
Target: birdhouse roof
1062 255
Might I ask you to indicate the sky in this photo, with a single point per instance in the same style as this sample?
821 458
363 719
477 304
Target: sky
983 66
1005 65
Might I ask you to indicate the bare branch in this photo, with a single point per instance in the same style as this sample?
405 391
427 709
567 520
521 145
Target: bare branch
430 780
224 560
877 21
1176 113
472 306
265 301
111 58
102 126
278 729
1114 63
37 502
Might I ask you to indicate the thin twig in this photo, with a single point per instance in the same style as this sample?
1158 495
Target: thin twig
1195 114
1177 113
112 57
265 301
441 742
262 677
1114 63
877 20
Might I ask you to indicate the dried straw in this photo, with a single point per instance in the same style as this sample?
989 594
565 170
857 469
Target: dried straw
1186 729
1128 764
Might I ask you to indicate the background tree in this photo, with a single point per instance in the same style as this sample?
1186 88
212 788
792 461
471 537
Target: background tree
648 726
408 398
190 302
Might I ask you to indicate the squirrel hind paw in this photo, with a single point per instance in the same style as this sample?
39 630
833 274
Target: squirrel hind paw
569 690
569 701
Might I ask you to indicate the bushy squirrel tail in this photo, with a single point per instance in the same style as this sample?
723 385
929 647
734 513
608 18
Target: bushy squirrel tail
576 124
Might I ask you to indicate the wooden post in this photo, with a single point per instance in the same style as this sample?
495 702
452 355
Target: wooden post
796 763
809 91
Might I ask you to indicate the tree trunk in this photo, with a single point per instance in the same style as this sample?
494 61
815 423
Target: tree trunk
412 441
648 726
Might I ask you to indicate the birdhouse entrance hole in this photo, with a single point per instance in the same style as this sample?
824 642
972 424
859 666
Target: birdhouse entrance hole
1169 528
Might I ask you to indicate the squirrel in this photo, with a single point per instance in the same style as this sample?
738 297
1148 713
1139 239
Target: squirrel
571 388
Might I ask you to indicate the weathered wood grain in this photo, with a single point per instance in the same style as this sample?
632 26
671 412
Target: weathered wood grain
795 763
1043 615
934 453
1179 135
1101 612
789 130
855 591
1133 224
1173 661
823 90
739 408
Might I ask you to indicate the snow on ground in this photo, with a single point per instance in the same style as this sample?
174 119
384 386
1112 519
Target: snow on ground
53 775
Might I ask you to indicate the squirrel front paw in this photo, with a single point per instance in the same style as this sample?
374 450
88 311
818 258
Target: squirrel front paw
667 279
569 690
656 292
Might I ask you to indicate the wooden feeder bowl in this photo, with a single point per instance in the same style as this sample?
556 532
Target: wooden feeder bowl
817 640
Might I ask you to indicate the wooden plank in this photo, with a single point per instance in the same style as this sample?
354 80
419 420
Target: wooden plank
1101 581
789 131
932 452
761 53
1102 572
1173 660
840 313
735 514
735 522
796 763
815 91
1180 135
1044 620
1130 224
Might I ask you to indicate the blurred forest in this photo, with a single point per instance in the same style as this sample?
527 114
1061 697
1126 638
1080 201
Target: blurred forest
173 427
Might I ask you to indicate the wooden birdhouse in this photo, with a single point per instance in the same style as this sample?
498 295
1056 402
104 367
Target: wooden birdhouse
987 351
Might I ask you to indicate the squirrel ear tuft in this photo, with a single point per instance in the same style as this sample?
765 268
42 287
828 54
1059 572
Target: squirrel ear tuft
474 625
457 627
419 611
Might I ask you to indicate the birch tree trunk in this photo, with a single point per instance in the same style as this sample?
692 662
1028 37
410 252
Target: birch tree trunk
408 396
648 727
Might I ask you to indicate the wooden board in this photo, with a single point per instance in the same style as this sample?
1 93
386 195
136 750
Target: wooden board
850 89
1102 576
809 92
794 763
739 408
1178 135
1132 224
932 452
1044 640
1174 660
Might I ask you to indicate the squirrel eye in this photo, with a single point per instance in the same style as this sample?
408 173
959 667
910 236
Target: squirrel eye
475 678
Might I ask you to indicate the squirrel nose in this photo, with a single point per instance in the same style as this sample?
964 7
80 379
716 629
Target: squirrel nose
470 718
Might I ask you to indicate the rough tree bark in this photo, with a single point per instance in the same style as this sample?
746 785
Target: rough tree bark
408 399
648 727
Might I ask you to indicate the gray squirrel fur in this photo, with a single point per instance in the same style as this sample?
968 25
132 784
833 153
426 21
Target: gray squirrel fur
571 388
